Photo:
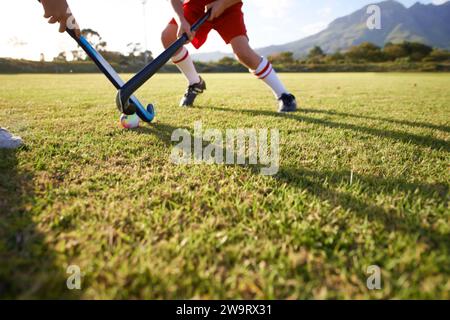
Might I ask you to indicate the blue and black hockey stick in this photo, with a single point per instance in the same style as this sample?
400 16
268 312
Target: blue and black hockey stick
126 91
146 114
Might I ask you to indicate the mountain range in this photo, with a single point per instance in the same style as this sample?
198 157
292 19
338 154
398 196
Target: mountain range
425 23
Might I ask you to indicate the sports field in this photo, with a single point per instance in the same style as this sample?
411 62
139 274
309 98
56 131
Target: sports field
364 180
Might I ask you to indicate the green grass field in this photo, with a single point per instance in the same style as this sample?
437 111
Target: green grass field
84 192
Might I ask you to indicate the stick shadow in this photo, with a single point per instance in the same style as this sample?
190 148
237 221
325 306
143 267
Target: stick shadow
313 182
422 141
416 124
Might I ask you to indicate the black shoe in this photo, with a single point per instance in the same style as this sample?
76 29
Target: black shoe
192 92
287 103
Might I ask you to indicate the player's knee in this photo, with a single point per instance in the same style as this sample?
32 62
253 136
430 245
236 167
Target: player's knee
164 38
167 37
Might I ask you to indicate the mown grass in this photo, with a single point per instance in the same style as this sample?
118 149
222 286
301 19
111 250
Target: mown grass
84 192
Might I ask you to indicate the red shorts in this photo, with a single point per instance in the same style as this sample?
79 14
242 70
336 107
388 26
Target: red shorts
229 25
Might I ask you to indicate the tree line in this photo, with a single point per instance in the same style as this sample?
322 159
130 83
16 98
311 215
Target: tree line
406 56
369 52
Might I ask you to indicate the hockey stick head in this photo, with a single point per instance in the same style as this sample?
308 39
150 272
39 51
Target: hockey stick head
125 107
127 90
133 105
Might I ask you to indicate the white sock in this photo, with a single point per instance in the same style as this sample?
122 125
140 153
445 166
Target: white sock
266 73
184 62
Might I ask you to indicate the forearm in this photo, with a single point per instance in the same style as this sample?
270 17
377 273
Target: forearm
177 6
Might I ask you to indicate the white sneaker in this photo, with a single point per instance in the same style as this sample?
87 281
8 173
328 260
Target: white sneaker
8 141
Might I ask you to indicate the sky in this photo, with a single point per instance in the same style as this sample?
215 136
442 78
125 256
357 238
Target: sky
24 33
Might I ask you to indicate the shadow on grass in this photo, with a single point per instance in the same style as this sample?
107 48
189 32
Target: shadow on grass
416 124
314 183
28 267
162 131
423 141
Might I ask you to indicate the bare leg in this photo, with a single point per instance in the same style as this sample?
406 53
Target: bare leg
257 65
244 53
182 59
169 35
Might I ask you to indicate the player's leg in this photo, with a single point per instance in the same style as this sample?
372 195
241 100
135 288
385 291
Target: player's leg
184 62
263 70
232 29
181 59
259 66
